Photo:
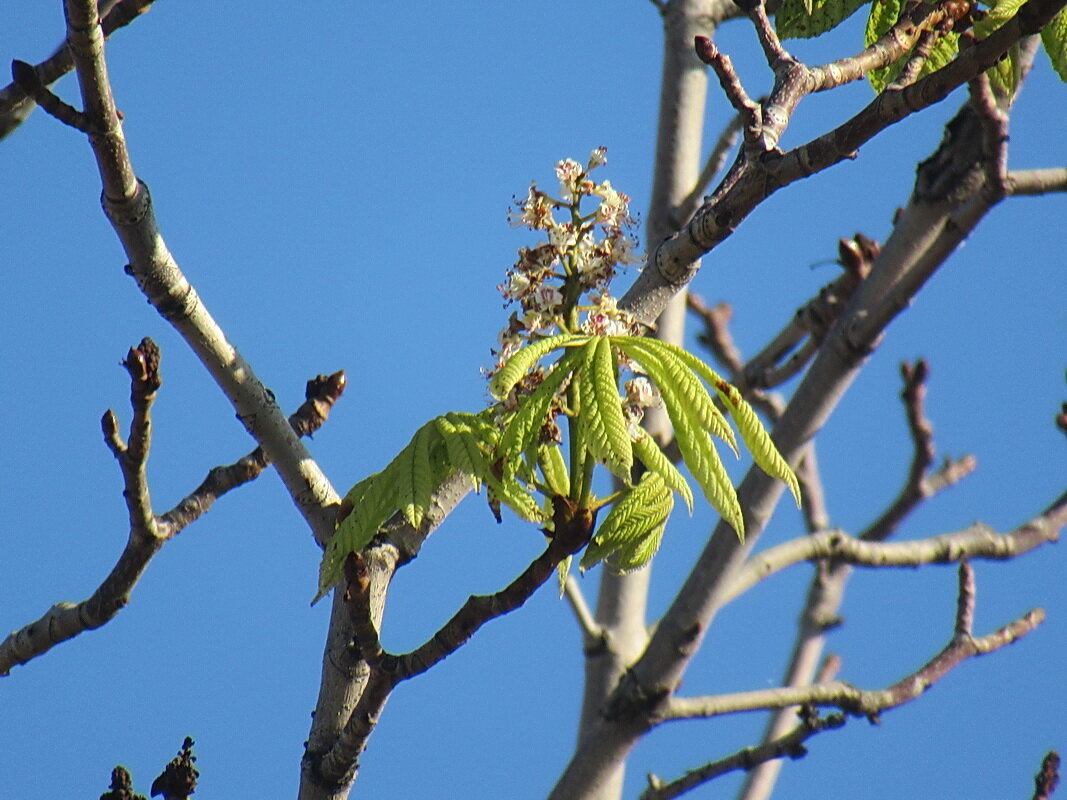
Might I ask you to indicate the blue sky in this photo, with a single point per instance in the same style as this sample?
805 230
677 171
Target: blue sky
334 180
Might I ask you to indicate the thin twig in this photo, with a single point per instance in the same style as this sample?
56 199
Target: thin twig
919 484
1033 182
1048 778
790 745
148 533
977 542
592 631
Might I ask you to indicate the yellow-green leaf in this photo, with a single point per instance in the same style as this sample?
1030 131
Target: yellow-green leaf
1054 37
638 513
609 440
803 19
757 440
511 373
648 451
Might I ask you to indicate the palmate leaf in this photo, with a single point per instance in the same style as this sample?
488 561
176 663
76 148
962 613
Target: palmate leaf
511 373
554 469
633 527
757 440
803 19
1054 37
686 370
608 439
648 451
446 444
525 426
682 394
415 475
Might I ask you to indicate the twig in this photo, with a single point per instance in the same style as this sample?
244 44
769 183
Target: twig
918 485
148 533
1046 781
128 206
994 124
592 631
748 111
790 745
1036 181
861 702
712 167
976 543
16 104
909 73
337 767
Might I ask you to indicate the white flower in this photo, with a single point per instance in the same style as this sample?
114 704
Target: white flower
614 206
598 158
622 249
640 393
517 286
547 298
569 172
563 237
534 212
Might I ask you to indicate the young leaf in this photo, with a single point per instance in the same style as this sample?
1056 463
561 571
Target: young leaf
639 513
803 19
511 373
525 426
563 569
1054 37
554 469
710 416
648 451
698 450
631 557
757 440
462 446
609 440
415 475
884 15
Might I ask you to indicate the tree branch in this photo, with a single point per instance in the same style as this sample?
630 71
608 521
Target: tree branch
1048 778
975 542
16 102
1036 181
128 206
337 767
148 533
789 745
919 485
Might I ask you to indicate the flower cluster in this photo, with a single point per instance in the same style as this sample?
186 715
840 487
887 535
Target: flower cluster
579 256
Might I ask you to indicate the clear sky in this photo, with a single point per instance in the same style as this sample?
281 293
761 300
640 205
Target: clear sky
334 178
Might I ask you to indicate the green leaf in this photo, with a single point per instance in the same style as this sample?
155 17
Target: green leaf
511 373
609 440
524 427
757 440
676 367
698 450
648 451
415 475
710 416
631 557
463 448
563 570
554 469
884 15
641 512
1054 37
803 19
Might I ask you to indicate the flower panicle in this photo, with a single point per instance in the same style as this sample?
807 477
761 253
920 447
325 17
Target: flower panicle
578 255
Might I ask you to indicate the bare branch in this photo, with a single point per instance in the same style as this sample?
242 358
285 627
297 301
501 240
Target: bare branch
592 632
128 206
337 766
975 542
1036 181
790 745
16 103
1048 778
148 533
712 167
919 485
850 699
